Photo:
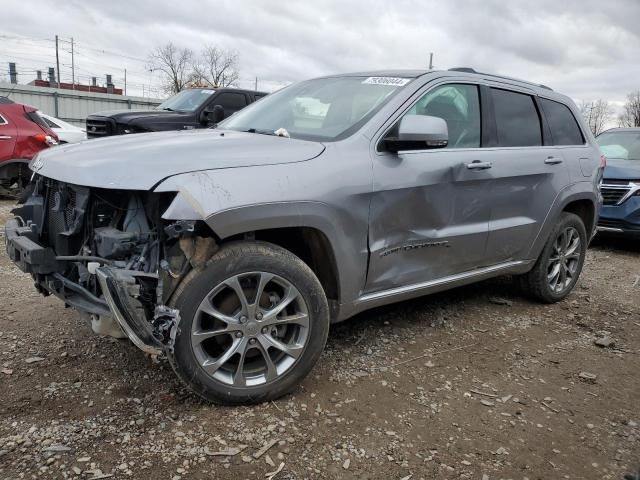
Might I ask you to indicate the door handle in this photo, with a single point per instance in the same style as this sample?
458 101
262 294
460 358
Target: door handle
478 165
552 160
5 137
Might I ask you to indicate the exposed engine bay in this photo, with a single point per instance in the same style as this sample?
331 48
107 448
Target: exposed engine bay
108 253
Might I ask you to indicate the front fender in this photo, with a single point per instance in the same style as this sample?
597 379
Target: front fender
239 200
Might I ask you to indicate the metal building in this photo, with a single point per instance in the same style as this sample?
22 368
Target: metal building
71 105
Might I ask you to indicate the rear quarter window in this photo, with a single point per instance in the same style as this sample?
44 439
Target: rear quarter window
35 118
517 119
50 123
563 125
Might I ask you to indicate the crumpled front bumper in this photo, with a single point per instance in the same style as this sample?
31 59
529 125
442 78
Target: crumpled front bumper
26 253
41 262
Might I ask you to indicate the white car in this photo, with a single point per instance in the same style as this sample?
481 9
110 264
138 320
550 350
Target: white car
66 132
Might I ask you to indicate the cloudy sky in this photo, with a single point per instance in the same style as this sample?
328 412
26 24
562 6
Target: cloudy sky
587 49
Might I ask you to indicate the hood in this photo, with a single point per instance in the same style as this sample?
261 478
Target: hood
138 162
622 169
127 116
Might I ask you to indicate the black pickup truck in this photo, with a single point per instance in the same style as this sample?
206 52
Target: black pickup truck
188 109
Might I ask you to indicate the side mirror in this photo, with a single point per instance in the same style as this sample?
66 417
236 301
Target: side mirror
213 115
418 132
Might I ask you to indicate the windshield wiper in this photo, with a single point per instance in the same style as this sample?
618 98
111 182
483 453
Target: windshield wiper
168 109
261 132
281 132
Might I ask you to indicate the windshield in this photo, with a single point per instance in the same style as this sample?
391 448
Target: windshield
620 145
323 109
186 100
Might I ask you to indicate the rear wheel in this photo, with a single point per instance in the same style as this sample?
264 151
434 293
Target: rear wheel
559 265
253 323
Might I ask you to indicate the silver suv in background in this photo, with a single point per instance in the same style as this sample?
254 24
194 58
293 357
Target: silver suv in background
231 250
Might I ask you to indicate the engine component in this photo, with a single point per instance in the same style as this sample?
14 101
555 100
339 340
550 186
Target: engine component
113 243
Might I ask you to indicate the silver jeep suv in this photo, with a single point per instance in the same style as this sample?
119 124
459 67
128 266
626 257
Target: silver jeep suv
231 250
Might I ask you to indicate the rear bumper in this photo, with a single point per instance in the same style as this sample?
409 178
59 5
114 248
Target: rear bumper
42 263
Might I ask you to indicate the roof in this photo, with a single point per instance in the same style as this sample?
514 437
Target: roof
227 89
622 129
385 73
464 71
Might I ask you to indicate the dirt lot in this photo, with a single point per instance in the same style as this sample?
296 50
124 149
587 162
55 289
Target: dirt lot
475 383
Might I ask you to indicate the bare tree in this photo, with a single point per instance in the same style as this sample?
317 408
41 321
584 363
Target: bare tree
597 114
217 67
630 116
175 65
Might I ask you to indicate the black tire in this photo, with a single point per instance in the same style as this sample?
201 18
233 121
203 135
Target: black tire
233 259
536 283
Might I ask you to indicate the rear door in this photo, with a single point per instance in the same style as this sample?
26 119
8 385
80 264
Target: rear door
528 173
429 211
7 137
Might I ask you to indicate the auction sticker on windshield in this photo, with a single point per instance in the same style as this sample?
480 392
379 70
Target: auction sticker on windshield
395 81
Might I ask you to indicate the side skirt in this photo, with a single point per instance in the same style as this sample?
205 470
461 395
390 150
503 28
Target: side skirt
398 294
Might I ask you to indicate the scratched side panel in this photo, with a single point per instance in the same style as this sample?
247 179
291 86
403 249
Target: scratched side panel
429 217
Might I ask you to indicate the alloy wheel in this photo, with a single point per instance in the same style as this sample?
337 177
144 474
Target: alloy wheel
250 329
563 263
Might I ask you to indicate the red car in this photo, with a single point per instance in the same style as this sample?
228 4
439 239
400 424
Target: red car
23 133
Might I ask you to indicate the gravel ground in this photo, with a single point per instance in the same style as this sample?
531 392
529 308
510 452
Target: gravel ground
476 383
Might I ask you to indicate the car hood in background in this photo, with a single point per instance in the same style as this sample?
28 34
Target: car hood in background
138 162
126 116
622 169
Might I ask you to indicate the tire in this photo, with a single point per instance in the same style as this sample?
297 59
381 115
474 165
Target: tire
539 282
216 369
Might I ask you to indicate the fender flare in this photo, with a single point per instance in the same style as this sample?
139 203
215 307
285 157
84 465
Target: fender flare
571 193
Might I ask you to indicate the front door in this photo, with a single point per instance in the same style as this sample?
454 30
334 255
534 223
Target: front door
429 213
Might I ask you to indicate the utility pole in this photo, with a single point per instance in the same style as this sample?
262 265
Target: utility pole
125 82
256 83
73 68
57 63
431 61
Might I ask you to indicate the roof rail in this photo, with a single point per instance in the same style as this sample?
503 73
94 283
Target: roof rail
463 69
471 70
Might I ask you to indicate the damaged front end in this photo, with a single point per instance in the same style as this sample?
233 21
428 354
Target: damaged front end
108 253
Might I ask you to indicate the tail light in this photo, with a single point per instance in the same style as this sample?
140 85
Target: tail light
46 139
603 161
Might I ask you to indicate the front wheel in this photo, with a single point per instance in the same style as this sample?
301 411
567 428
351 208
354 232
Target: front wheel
253 323
559 265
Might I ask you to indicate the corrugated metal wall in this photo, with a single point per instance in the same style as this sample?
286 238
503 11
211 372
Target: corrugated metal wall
70 105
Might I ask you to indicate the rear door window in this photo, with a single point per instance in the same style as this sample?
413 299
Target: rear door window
517 119
231 102
2 120
563 125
